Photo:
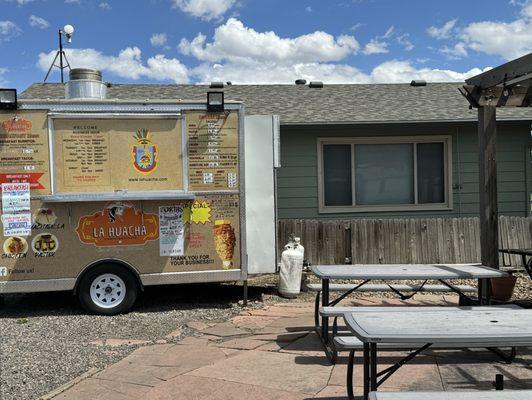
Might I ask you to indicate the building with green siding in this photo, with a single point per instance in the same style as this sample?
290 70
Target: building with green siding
373 150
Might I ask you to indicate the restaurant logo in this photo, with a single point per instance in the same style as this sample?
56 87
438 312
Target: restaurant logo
144 152
118 224
16 124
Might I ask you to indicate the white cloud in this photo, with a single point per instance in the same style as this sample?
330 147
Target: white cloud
403 71
21 2
457 51
128 64
8 31
242 55
308 9
388 34
38 22
158 39
205 9
3 80
72 1
387 72
443 32
508 40
375 46
404 40
105 6
234 42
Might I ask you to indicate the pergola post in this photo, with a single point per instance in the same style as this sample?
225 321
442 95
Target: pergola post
489 221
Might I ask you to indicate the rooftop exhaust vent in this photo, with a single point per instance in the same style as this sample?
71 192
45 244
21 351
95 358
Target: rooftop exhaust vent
418 83
85 83
315 84
301 81
217 85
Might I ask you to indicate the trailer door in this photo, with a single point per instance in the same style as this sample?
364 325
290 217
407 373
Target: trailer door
261 158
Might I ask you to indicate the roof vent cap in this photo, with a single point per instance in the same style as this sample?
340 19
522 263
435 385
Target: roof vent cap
315 84
301 81
85 83
217 85
418 83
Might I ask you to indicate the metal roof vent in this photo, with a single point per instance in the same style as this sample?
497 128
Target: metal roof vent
301 81
315 84
85 84
217 85
418 83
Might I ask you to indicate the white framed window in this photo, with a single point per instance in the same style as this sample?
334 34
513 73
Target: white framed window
395 173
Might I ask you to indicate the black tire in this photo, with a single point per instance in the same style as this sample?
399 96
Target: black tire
104 273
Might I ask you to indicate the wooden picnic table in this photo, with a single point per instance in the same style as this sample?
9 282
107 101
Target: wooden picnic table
508 327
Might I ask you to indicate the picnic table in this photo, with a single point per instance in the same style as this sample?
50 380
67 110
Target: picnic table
479 395
507 327
524 253
393 272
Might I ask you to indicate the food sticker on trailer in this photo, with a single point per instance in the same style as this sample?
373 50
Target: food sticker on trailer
15 198
197 213
118 224
171 231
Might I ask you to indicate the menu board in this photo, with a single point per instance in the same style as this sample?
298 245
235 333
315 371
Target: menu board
212 151
24 155
106 155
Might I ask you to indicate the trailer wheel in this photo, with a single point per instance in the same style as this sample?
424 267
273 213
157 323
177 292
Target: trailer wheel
108 290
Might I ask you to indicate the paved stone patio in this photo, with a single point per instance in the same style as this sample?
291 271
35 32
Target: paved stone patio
273 353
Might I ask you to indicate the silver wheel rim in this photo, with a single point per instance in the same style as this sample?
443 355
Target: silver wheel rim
108 291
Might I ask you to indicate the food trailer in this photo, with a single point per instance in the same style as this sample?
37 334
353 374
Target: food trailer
104 197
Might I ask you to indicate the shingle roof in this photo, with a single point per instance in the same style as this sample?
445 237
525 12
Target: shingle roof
299 104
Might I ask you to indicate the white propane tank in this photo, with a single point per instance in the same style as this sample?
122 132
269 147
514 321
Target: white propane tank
291 269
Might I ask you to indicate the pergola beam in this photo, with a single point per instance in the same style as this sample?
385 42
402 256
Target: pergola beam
503 73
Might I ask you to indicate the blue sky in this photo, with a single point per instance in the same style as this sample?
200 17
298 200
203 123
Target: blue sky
264 41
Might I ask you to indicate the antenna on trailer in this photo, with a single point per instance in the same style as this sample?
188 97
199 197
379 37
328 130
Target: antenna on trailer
68 30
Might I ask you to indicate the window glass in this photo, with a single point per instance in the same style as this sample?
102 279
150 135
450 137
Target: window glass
430 173
384 174
337 174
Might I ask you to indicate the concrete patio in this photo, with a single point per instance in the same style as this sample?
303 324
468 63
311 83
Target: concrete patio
273 353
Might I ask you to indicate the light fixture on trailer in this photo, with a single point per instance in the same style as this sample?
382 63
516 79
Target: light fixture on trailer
67 30
8 99
215 101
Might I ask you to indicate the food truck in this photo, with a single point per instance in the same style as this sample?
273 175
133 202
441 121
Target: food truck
104 197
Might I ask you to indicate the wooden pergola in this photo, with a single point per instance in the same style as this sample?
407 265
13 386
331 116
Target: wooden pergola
509 85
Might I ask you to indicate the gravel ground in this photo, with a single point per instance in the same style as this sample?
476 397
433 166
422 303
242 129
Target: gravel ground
46 339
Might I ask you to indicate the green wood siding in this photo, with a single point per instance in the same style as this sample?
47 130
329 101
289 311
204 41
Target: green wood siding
298 182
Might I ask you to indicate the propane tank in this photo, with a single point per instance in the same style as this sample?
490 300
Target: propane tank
291 269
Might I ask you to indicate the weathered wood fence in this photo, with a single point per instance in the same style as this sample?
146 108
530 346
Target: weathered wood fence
414 240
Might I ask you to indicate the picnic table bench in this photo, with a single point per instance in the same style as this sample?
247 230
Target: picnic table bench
425 328
484 395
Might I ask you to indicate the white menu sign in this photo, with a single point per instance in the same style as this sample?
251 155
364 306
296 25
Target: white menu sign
171 231
16 198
